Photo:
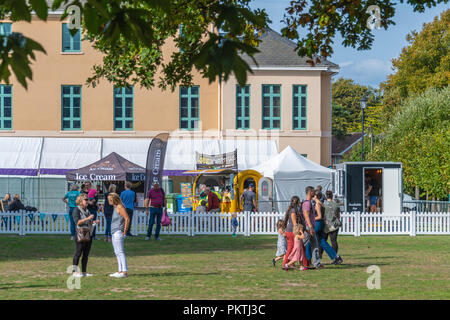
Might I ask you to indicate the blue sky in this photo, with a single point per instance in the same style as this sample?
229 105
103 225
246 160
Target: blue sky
369 67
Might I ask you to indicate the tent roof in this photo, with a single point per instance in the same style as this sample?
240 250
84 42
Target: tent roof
112 167
289 161
58 155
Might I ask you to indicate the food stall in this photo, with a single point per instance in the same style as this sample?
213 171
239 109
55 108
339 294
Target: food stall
219 179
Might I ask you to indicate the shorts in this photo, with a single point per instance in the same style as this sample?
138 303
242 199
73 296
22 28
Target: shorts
373 200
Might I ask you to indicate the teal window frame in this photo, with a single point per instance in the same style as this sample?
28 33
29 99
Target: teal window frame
188 115
272 97
299 107
67 38
242 107
126 114
4 106
68 100
5 30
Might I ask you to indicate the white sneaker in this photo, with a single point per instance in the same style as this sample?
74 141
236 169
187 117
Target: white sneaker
115 275
159 239
87 275
77 275
121 275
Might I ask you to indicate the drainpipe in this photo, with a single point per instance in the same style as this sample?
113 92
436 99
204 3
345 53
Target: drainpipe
219 109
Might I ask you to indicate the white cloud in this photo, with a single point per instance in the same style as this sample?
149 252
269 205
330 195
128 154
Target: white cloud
367 71
345 64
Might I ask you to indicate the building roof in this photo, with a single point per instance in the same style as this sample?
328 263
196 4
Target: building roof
276 51
62 7
341 145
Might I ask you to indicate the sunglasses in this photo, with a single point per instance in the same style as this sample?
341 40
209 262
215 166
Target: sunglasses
85 199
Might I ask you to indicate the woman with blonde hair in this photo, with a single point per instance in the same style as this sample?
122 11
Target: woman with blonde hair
82 219
119 226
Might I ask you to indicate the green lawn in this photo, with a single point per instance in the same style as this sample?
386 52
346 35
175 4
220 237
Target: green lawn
222 267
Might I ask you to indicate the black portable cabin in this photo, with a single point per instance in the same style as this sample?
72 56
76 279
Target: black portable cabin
385 179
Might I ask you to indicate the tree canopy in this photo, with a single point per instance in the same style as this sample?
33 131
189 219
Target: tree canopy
423 64
347 113
131 34
419 137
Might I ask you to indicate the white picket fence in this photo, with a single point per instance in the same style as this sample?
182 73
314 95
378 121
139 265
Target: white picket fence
191 224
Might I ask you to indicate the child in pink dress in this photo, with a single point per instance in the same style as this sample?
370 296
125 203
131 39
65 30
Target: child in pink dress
298 252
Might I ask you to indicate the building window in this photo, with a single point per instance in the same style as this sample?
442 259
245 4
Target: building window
299 107
123 108
243 107
5 30
5 107
189 108
70 43
71 107
271 106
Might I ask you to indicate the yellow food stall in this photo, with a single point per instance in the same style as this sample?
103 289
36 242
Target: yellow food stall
219 180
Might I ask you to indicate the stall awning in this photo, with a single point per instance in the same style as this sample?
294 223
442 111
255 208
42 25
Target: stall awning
111 168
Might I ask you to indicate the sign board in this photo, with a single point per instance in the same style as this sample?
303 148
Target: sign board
217 161
140 197
186 193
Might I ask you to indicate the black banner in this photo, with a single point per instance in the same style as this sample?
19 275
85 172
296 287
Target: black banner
217 161
155 161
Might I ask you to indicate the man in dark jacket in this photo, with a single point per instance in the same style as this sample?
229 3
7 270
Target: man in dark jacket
213 201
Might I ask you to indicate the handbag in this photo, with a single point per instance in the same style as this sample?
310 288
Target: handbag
165 220
83 234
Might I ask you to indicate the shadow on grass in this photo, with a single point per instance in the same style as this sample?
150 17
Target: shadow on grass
47 247
362 257
14 286
357 265
174 274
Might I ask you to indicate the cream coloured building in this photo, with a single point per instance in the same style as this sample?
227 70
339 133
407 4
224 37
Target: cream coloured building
286 100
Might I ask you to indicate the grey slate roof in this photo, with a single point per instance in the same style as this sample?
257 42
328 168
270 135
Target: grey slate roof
340 145
276 51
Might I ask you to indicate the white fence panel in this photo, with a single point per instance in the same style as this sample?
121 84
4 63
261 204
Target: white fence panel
10 223
433 223
191 223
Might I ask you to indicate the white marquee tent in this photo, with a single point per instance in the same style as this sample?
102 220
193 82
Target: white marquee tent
291 174
35 167
23 156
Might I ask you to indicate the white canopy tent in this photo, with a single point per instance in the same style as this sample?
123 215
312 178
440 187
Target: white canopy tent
291 174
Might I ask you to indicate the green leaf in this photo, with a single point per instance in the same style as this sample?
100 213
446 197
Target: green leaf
41 8
57 4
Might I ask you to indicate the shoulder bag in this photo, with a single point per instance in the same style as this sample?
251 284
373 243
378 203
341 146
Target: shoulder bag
83 234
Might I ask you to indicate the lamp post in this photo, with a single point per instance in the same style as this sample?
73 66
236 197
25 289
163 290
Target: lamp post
363 106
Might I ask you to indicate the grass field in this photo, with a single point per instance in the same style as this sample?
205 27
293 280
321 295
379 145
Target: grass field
222 267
